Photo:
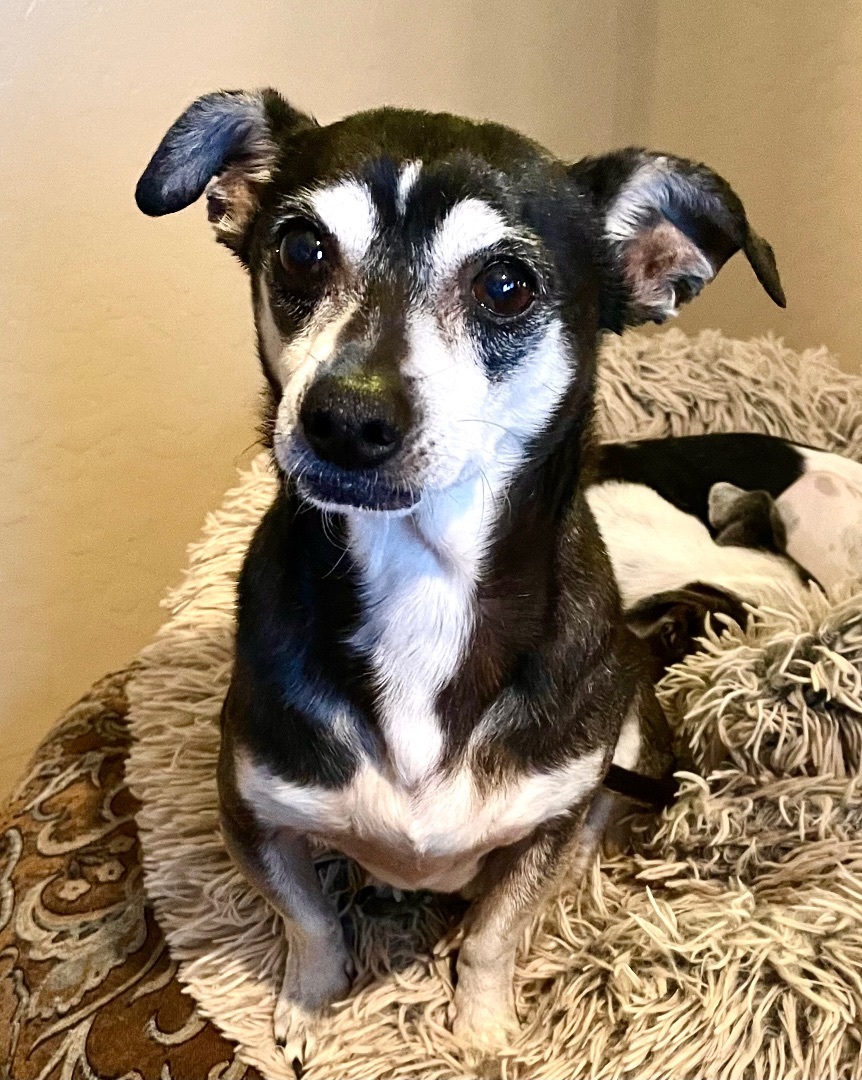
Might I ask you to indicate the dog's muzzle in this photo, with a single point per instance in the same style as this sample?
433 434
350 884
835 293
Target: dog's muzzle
345 449
354 424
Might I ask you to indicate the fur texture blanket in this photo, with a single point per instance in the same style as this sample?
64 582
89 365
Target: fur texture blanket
726 942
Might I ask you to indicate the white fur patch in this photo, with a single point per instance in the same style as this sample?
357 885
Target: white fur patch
654 547
647 187
470 227
271 342
822 513
444 820
294 362
826 462
347 210
418 577
628 749
472 426
303 356
419 573
406 179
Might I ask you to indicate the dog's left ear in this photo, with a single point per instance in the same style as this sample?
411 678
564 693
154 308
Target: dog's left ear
228 144
671 225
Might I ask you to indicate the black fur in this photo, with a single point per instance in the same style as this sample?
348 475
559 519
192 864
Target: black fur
297 603
683 470
216 131
642 789
670 623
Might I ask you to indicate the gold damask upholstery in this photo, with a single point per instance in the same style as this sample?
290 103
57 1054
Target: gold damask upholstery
87 987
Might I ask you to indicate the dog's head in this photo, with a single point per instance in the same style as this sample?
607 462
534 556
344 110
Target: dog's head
428 291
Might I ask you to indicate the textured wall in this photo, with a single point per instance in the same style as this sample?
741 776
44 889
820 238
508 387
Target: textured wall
129 380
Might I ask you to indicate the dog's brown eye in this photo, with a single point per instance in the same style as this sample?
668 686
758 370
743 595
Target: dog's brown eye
301 249
506 288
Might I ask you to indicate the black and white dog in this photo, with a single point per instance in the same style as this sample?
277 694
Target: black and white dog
432 671
705 524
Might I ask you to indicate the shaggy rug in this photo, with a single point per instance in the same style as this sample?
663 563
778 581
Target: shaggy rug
726 942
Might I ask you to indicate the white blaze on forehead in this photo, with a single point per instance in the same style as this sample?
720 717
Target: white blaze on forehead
406 179
347 210
470 226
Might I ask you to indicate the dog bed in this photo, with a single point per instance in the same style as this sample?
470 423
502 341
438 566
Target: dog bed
727 942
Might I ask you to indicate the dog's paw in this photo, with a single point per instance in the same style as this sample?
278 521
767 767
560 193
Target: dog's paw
487 1030
313 980
295 1030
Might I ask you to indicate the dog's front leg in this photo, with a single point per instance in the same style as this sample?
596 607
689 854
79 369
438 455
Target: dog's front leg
516 880
317 971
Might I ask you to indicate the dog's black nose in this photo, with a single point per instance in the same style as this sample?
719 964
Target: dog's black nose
354 423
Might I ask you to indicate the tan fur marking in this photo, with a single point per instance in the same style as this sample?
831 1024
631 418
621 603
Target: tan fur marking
232 201
654 257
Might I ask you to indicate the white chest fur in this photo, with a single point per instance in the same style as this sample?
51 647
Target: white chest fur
432 835
655 547
408 822
418 579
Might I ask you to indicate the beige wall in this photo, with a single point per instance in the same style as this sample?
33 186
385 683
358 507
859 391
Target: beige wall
128 374
769 92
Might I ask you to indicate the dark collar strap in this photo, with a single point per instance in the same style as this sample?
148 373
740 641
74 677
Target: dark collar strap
643 789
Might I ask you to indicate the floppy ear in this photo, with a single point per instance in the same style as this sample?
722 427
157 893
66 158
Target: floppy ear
746 519
226 143
671 622
671 225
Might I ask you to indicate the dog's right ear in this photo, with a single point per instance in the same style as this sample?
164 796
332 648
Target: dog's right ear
226 144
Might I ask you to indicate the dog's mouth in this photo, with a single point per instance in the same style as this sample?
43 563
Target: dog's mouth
330 487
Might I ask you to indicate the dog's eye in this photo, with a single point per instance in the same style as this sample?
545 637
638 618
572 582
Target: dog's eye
506 288
301 249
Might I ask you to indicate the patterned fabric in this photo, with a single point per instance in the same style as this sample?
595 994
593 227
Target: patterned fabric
87 989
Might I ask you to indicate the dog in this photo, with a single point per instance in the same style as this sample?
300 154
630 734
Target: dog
432 673
705 525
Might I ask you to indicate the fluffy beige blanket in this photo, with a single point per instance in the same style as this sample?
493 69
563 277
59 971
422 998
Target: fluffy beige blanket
726 943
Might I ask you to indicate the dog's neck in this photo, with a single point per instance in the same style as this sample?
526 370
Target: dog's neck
449 530
418 579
